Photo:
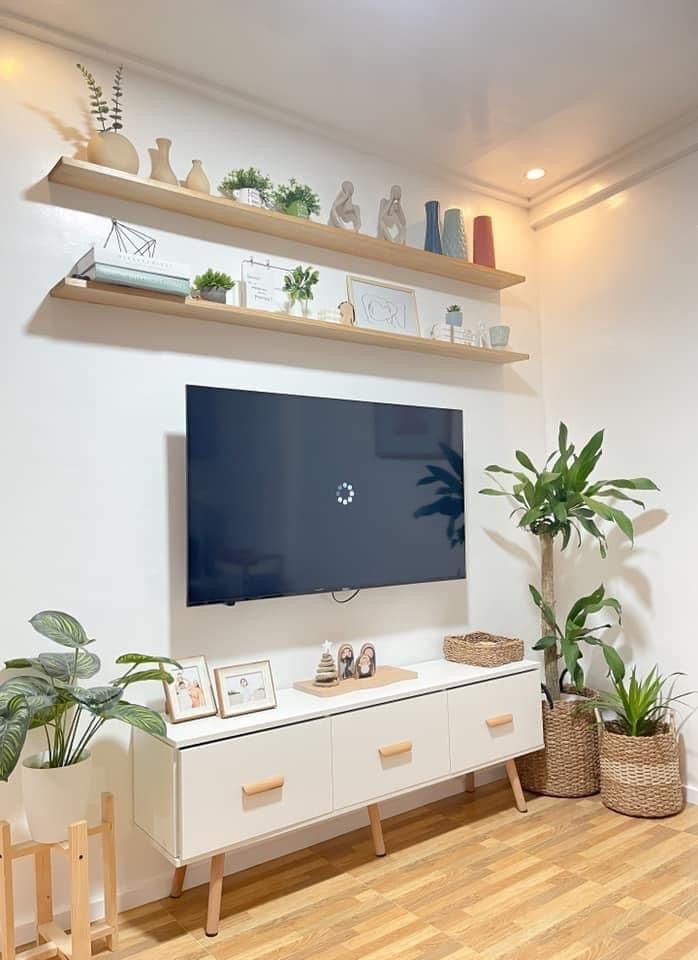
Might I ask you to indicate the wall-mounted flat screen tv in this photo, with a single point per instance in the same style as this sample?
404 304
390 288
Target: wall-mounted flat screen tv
295 495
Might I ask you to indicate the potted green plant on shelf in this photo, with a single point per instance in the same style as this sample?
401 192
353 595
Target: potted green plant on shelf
640 769
556 502
212 285
52 697
248 186
107 146
296 199
298 286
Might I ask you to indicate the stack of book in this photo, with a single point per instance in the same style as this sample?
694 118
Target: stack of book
134 270
444 331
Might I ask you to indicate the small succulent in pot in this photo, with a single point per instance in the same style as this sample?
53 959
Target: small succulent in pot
296 199
249 186
212 285
298 285
454 315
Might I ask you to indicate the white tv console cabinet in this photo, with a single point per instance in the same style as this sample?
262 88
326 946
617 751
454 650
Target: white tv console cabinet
211 785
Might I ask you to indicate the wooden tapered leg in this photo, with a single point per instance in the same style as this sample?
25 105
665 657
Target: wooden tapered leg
215 890
79 892
42 885
374 819
109 869
7 895
178 882
513 774
470 783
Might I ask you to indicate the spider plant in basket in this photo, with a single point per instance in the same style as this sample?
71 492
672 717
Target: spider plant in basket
640 771
52 697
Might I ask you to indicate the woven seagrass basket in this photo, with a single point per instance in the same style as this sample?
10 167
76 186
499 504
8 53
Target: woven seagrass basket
640 776
482 649
569 764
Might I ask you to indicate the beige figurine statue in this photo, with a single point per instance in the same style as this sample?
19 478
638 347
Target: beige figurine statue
392 223
344 210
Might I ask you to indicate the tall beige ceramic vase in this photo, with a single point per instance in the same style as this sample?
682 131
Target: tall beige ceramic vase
113 150
160 168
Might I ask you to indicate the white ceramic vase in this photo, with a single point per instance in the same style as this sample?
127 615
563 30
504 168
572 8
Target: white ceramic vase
55 797
113 150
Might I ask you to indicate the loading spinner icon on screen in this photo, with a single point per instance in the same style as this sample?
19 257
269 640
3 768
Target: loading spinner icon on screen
345 494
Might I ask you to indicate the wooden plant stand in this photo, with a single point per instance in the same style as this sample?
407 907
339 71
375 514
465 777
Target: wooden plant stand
51 940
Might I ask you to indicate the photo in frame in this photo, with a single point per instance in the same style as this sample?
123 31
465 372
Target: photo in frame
384 306
245 688
190 695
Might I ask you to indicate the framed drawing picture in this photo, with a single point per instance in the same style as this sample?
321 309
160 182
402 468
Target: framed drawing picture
190 695
245 688
384 306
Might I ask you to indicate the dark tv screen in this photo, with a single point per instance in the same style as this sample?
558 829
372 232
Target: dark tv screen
293 495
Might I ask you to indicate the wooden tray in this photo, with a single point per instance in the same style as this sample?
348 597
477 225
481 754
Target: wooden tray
382 678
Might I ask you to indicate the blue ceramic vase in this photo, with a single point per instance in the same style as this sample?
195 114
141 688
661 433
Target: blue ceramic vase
432 234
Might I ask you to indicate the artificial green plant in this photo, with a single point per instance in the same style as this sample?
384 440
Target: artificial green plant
296 195
299 283
250 179
99 107
213 278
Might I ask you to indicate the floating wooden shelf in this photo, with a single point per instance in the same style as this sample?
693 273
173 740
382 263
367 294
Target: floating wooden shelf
85 291
125 186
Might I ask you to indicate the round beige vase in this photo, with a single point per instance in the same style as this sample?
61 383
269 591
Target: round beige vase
54 797
113 150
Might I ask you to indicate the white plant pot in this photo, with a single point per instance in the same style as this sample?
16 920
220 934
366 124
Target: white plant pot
249 196
55 797
298 308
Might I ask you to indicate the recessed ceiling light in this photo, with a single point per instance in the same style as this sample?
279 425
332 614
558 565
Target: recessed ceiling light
535 173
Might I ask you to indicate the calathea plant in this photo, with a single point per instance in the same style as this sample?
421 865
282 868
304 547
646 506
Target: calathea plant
565 641
562 499
52 696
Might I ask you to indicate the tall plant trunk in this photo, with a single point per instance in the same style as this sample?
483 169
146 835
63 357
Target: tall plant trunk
547 589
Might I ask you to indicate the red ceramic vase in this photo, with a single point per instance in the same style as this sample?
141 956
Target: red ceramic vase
483 242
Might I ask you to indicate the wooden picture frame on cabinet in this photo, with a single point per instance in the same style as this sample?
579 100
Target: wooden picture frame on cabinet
245 688
190 695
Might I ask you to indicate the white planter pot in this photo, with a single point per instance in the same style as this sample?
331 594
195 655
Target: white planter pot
249 196
54 797
298 308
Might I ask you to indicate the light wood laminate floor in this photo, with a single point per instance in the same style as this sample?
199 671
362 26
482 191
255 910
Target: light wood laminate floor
467 878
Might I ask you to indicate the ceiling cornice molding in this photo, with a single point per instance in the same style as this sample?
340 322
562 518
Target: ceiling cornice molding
76 44
631 165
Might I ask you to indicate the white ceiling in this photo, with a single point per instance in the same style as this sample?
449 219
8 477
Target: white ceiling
481 89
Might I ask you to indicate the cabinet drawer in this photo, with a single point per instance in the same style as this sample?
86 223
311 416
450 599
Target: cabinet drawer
494 720
252 785
386 749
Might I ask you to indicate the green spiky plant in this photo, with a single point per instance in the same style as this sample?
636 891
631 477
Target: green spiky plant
561 499
296 198
299 283
99 106
51 696
250 179
641 707
213 278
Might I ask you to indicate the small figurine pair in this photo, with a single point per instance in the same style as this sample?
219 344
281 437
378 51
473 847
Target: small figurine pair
360 667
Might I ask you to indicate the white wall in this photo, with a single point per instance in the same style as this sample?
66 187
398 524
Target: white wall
92 407
619 333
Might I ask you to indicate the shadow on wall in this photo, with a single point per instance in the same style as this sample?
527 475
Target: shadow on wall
76 138
261 626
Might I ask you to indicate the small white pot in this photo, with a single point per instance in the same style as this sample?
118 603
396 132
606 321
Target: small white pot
298 308
55 797
249 196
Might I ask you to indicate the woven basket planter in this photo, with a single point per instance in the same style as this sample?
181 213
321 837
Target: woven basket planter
640 776
482 649
569 764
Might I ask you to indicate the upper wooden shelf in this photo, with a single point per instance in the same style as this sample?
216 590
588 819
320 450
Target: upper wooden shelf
125 186
84 291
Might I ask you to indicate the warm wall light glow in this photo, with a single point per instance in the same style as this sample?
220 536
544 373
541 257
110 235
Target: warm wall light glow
8 67
535 173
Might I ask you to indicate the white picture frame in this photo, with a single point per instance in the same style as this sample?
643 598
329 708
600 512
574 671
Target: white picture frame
190 695
385 307
245 688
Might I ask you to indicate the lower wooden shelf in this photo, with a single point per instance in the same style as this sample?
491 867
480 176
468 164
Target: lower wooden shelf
130 298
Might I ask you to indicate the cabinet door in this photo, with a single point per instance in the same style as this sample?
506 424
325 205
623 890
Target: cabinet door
494 720
388 749
249 786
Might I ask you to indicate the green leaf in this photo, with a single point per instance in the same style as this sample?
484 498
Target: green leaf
38 693
562 438
624 522
141 675
146 658
488 492
63 666
137 716
616 666
525 461
14 724
636 483
60 627
96 699
21 663
548 641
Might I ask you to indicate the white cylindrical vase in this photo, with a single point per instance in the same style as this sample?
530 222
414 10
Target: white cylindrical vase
55 797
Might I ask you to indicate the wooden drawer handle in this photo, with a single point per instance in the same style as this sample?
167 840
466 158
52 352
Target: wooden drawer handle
500 721
394 749
262 786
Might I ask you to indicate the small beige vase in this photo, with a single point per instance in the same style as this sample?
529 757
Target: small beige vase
197 179
113 150
160 168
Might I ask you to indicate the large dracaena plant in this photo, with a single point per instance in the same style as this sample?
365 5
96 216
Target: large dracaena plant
560 500
51 695
565 641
